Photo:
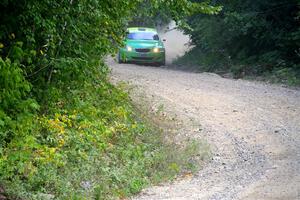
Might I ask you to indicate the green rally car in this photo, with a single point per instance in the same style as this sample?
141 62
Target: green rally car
142 45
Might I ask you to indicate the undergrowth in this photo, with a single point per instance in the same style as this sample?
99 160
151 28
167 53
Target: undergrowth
201 61
87 143
248 39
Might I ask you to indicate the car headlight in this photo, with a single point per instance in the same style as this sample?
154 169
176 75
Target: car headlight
156 50
129 48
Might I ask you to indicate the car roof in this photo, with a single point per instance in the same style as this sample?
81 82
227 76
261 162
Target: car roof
141 29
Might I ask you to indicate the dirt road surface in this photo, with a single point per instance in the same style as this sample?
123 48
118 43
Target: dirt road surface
253 129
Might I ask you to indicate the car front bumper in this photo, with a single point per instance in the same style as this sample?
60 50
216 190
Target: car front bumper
148 57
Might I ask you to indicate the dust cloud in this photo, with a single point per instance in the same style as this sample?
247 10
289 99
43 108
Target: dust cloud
176 43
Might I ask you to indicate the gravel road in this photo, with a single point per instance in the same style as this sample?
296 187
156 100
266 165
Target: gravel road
253 129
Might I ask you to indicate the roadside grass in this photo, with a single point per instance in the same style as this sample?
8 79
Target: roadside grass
179 155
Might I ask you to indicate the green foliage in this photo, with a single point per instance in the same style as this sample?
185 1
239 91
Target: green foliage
90 142
17 108
250 37
156 13
67 144
65 132
150 15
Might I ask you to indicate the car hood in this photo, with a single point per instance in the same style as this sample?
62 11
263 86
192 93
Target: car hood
144 43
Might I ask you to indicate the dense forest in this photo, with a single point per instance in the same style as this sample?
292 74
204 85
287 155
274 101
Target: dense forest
65 131
248 38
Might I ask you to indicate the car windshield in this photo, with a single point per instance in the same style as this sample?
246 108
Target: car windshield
142 36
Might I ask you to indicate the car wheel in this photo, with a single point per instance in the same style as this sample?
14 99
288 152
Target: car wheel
163 63
119 58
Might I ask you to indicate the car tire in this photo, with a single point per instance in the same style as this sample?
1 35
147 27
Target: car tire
163 63
120 61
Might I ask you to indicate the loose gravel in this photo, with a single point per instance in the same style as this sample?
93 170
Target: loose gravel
253 129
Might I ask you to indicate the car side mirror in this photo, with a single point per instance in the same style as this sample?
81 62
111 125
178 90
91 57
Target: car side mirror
126 34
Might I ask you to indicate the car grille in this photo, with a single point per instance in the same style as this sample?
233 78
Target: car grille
142 50
142 58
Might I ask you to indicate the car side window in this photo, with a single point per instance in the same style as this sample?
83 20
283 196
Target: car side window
130 36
